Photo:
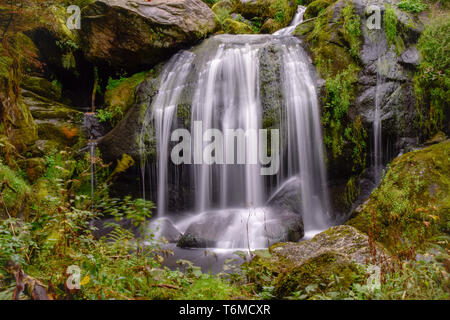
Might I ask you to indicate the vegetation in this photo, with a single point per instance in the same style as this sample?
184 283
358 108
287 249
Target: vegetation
55 196
390 24
414 6
432 82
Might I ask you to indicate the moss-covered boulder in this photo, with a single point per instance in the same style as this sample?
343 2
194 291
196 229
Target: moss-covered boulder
55 122
342 250
120 94
42 87
326 271
15 190
315 7
358 64
236 27
128 35
411 207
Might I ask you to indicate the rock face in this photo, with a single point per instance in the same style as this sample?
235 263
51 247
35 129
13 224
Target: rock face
130 34
58 125
369 66
215 228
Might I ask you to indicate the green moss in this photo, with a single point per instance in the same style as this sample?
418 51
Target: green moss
316 7
120 94
411 207
14 190
236 27
351 29
328 271
339 94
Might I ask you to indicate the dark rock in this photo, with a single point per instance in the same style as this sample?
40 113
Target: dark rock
288 196
128 35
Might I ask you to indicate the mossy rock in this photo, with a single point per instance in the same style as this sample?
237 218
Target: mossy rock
42 87
275 14
315 7
236 27
322 270
120 93
15 191
34 168
411 207
222 5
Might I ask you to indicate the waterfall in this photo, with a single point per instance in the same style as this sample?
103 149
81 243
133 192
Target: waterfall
162 112
377 157
304 134
220 80
298 18
227 98
92 158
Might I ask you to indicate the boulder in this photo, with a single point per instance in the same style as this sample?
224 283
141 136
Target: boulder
55 122
288 196
164 229
233 229
131 34
411 205
341 250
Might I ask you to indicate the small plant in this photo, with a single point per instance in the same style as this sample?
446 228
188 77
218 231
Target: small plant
104 115
414 6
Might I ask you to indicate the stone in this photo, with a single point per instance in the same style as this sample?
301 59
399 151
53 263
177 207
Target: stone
288 196
129 35
229 228
164 229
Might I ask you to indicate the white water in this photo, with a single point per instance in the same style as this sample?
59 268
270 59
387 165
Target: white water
227 96
298 18
377 137
162 112
304 134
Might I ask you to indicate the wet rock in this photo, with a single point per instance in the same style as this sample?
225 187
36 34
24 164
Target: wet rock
164 229
410 56
288 196
345 240
124 34
230 229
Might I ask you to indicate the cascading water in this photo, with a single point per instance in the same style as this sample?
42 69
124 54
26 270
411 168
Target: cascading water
227 97
304 135
377 142
225 76
298 18
162 112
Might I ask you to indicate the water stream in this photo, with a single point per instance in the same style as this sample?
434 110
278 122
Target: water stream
224 77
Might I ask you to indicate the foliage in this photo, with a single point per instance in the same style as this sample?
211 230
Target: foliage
414 6
431 81
409 210
104 115
339 93
351 29
390 24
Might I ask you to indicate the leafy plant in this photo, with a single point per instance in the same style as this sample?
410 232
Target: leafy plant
414 6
